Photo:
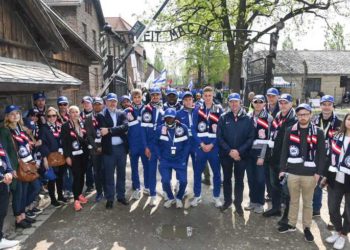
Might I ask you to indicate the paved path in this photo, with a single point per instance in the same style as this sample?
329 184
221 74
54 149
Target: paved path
140 227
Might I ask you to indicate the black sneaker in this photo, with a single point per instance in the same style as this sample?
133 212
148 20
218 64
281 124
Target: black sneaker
89 190
123 201
56 204
30 214
286 228
316 214
272 212
109 205
29 220
23 224
308 235
62 200
37 211
226 206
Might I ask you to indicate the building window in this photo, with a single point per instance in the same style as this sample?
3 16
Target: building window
84 32
313 85
95 39
88 7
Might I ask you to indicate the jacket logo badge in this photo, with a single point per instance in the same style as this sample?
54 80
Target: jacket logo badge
293 150
147 117
347 161
262 134
179 131
202 126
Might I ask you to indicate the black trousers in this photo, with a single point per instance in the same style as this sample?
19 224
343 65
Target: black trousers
59 172
335 196
230 166
4 202
78 169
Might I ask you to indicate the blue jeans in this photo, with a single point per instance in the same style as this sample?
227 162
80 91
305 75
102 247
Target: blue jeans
135 154
256 181
89 173
317 200
165 169
201 160
116 161
33 191
230 166
19 198
68 180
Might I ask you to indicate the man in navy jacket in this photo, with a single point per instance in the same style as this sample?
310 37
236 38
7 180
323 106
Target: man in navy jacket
235 136
114 126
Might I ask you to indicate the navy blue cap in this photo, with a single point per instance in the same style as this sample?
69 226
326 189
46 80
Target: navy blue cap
259 98
125 97
39 95
234 97
272 91
97 100
29 123
33 111
171 91
327 98
170 112
285 97
187 93
155 90
11 108
303 106
112 97
62 99
87 99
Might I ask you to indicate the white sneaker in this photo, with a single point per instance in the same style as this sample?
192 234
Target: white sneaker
153 201
146 191
169 203
179 203
196 201
333 238
340 243
217 201
259 209
8 243
165 196
250 206
136 195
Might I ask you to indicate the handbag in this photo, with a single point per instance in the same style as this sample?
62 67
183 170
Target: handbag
56 159
26 172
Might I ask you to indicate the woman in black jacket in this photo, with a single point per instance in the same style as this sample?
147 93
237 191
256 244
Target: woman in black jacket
75 151
50 135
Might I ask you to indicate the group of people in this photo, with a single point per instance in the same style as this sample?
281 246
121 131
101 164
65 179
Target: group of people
286 153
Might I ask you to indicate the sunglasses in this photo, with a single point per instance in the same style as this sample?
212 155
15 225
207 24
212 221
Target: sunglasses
51 116
258 102
63 104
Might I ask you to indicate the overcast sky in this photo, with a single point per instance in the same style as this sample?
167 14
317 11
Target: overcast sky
312 39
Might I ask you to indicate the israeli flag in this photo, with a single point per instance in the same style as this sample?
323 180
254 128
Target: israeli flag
190 85
161 79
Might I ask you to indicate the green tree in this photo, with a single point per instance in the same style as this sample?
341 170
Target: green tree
158 60
242 15
287 44
334 36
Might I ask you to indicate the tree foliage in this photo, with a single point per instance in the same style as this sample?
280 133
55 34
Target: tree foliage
158 60
334 36
243 15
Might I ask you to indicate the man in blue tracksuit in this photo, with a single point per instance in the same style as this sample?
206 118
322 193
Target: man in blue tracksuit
235 138
172 100
151 118
205 120
133 114
185 116
172 145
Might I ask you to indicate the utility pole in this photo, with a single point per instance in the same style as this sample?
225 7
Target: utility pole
131 48
303 86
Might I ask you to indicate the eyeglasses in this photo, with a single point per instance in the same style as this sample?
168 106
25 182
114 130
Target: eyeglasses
63 104
51 116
